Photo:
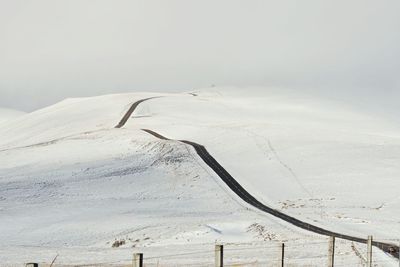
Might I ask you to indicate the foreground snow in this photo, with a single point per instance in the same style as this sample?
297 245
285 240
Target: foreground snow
71 184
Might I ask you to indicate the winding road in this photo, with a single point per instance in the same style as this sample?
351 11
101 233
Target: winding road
128 114
247 197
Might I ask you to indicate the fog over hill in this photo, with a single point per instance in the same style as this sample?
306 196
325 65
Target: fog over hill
51 50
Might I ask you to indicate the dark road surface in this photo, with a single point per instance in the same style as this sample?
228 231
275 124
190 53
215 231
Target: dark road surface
247 197
131 110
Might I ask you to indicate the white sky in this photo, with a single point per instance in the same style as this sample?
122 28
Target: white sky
52 49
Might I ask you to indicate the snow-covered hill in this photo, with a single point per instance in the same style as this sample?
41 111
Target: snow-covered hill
9 114
70 183
318 160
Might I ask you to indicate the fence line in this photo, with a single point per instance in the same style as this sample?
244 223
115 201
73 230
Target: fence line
279 254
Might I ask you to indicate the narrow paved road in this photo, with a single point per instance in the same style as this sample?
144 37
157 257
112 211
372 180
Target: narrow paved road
131 110
246 196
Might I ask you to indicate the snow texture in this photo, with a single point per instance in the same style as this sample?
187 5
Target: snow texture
71 184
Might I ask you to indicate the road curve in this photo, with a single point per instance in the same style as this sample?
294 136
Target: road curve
128 114
247 197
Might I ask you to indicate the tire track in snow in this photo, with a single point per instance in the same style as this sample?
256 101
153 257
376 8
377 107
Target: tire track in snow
269 147
247 197
294 175
54 141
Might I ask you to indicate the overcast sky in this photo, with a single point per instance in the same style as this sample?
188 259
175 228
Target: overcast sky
53 49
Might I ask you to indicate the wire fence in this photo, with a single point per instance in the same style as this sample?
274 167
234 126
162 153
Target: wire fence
268 253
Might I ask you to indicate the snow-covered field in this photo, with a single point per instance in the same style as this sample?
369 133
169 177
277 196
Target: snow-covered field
71 184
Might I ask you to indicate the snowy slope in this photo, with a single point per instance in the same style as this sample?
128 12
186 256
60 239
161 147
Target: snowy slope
71 183
9 114
310 158
67 118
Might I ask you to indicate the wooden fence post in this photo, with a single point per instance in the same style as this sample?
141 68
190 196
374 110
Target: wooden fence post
137 260
219 255
283 255
369 251
331 252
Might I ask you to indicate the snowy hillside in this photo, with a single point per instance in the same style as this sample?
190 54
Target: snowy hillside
9 114
71 184
318 160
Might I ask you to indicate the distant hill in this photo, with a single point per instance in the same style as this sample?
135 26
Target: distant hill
8 114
